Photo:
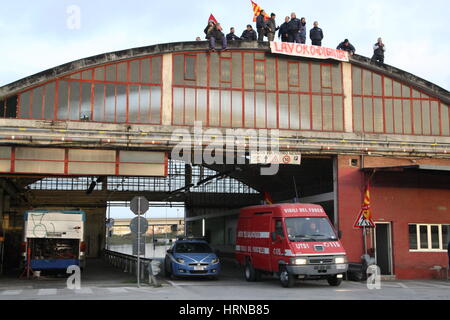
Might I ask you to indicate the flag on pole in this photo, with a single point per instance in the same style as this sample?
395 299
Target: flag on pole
365 218
257 11
268 198
212 18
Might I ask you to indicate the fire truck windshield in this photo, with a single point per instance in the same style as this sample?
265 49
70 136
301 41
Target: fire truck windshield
310 230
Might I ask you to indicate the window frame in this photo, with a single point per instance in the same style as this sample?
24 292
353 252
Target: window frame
429 227
185 75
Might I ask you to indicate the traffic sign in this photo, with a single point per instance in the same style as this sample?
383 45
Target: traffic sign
365 217
285 158
364 220
139 205
139 227
138 243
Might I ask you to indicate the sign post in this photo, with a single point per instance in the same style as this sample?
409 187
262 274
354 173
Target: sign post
139 206
365 218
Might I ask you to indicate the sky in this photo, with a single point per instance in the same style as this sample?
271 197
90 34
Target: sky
38 35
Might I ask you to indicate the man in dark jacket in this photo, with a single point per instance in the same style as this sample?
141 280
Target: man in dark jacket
261 25
215 34
379 48
347 46
249 34
209 27
283 32
271 27
316 35
302 32
294 29
232 36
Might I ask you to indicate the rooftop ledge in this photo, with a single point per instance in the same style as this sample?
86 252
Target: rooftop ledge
357 60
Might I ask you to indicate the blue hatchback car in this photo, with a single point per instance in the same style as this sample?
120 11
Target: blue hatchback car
192 258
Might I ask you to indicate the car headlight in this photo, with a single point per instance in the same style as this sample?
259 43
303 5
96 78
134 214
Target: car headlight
299 261
180 261
215 261
340 260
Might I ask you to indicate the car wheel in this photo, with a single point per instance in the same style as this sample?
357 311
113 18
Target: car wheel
334 281
167 268
251 275
287 279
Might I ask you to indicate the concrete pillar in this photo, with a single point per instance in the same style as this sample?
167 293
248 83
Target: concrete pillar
95 231
167 89
348 96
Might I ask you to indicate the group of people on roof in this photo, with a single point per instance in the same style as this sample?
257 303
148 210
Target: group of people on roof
292 30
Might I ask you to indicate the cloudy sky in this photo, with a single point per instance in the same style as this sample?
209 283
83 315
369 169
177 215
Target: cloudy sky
36 34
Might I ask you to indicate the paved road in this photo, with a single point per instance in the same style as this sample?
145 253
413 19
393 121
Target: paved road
106 283
239 290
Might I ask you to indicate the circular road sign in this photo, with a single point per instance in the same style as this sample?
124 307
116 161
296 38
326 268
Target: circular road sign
287 159
134 225
139 205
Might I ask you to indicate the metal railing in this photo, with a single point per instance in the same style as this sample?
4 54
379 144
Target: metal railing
128 263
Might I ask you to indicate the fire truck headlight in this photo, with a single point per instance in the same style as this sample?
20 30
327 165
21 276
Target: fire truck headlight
340 260
300 261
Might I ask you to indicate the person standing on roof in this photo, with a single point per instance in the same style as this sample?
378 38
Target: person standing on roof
316 35
379 49
283 32
261 25
294 29
347 46
271 27
302 32
249 34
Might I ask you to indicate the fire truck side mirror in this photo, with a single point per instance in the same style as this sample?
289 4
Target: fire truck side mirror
340 234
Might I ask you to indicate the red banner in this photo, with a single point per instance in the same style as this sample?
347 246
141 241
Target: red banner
303 50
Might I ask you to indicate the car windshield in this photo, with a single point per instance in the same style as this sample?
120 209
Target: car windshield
310 230
193 248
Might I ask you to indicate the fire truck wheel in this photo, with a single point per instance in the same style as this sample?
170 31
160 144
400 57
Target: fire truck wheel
334 281
287 279
251 275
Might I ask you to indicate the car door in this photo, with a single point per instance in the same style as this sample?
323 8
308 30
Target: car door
278 243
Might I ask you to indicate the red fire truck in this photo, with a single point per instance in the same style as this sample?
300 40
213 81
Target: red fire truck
291 241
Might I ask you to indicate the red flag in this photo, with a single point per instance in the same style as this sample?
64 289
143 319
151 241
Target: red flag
365 218
257 11
268 198
212 18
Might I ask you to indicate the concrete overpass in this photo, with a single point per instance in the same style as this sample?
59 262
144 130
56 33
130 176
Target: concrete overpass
113 115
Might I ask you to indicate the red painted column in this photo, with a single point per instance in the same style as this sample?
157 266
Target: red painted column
350 192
